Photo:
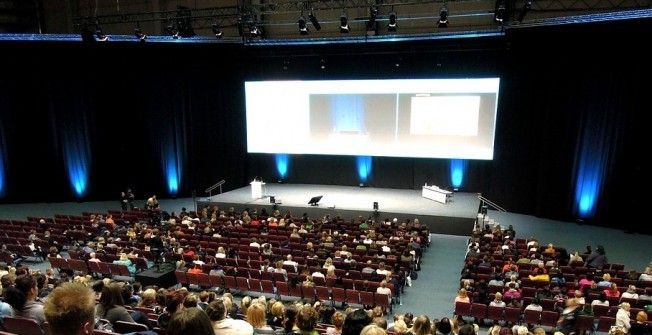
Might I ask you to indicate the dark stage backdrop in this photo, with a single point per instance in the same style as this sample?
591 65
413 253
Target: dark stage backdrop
128 104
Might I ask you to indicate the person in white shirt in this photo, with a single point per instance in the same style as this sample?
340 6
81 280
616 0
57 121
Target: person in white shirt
622 317
630 293
534 305
254 243
317 273
498 301
381 271
383 289
288 261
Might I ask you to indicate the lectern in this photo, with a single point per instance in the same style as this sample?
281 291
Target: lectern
257 189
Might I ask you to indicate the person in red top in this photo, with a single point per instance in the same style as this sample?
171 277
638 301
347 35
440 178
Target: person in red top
612 291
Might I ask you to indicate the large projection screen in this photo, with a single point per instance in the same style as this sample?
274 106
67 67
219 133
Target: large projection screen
419 118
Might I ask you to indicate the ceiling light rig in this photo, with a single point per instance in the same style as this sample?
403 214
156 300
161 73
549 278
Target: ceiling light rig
171 30
443 17
371 23
392 26
499 15
344 24
526 8
314 21
303 26
139 34
99 34
217 30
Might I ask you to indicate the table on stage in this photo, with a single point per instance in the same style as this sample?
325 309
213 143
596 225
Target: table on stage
435 193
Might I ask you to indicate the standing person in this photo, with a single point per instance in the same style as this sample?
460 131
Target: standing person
597 258
152 202
70 310
569 317
622 317
124 201
130 198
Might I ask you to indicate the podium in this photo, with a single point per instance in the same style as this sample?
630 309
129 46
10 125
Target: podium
257 189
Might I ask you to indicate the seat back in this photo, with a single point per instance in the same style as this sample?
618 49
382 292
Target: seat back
123 327
22 326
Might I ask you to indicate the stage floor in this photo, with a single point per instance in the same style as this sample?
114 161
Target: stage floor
455 217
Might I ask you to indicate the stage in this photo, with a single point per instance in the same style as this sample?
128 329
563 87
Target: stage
455 217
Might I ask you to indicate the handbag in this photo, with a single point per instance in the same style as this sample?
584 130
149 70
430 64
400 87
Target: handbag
617 330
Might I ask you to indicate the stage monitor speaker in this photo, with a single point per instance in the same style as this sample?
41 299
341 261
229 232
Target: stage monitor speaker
272 200
375 205
314 200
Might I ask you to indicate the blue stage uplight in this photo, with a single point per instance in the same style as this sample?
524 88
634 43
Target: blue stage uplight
587 189
364 168
77 155
171 168
457 171
282 164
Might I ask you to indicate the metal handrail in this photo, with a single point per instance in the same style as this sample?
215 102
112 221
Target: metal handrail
485 200
210 189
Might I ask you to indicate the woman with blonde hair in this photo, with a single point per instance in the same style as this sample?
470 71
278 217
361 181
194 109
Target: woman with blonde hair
372 329
400 327
147 299
622 317
275 319
337 320
462 296
256 316
421 325
630 293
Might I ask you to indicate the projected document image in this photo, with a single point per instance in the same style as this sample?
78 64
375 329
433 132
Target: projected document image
444 115
429 118
352 122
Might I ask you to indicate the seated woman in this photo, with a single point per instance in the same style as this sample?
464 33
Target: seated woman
124 260
111 305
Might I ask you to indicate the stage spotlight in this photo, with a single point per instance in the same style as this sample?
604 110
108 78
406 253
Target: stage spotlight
371 23
184 22
87 35
303 27
344 24
526 8
217 30
499 15
99 34
443 17
391 26
172 31
254 31
139 34
313 20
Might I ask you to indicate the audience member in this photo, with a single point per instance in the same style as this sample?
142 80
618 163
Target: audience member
190 321
22 298
70 310
222 324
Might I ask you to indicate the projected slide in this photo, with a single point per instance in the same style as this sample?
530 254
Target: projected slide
426 118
